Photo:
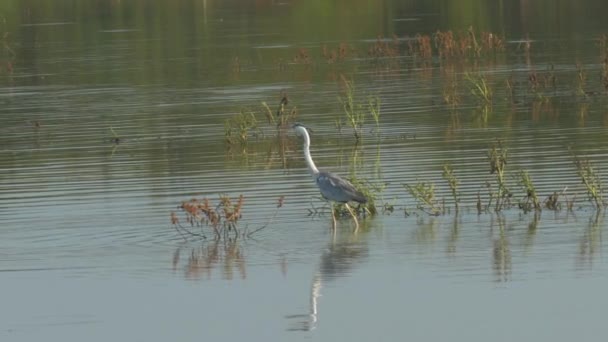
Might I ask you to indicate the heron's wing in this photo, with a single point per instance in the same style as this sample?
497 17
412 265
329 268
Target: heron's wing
336 188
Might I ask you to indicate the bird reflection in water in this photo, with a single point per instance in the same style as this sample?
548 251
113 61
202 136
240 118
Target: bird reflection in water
341 256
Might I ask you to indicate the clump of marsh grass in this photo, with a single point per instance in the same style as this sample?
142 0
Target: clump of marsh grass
355 113
371 191
591 180
448 175
530 201
553 201
221 218
373 104
467 44
581 81
383 48
302 57
451 97
540 83
238 128
336 55
424 194
480 88
420 46
497 156
284 116
510 90
116 139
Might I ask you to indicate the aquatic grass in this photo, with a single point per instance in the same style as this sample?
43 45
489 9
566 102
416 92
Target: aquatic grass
510 90
480 89
424 194
302 57
590 179
268 114
336 55
530 201
238 128
539 83
371 190
581 81
467 43
450 178
490 42
383 49
420 46
284 117
116 139
221 218
604 73
602 43
553 201
497 156
354 111
373 104
451 96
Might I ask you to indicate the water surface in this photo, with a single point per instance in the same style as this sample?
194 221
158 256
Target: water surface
112 114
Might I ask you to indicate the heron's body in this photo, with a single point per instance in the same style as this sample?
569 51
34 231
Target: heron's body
337 189
332 187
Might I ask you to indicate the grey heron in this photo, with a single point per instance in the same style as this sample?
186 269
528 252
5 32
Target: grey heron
332 187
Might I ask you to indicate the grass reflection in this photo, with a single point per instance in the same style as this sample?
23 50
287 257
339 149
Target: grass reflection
501 251
200 262
590 243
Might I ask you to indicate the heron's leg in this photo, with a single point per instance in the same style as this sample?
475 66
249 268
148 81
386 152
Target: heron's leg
333 216
353 215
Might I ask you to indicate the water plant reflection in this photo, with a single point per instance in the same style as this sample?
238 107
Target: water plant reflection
200 262
590 241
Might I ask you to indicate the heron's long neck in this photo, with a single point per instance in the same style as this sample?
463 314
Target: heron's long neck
311 164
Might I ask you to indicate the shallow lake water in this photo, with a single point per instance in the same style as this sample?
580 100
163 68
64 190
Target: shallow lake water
113 114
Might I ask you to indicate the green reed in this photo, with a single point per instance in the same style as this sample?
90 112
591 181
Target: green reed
373 104
238 128
590 179
448 175
581 80
354 111
530 201
497 156
480 88
424 194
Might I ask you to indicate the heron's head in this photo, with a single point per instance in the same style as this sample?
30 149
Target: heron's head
300 129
